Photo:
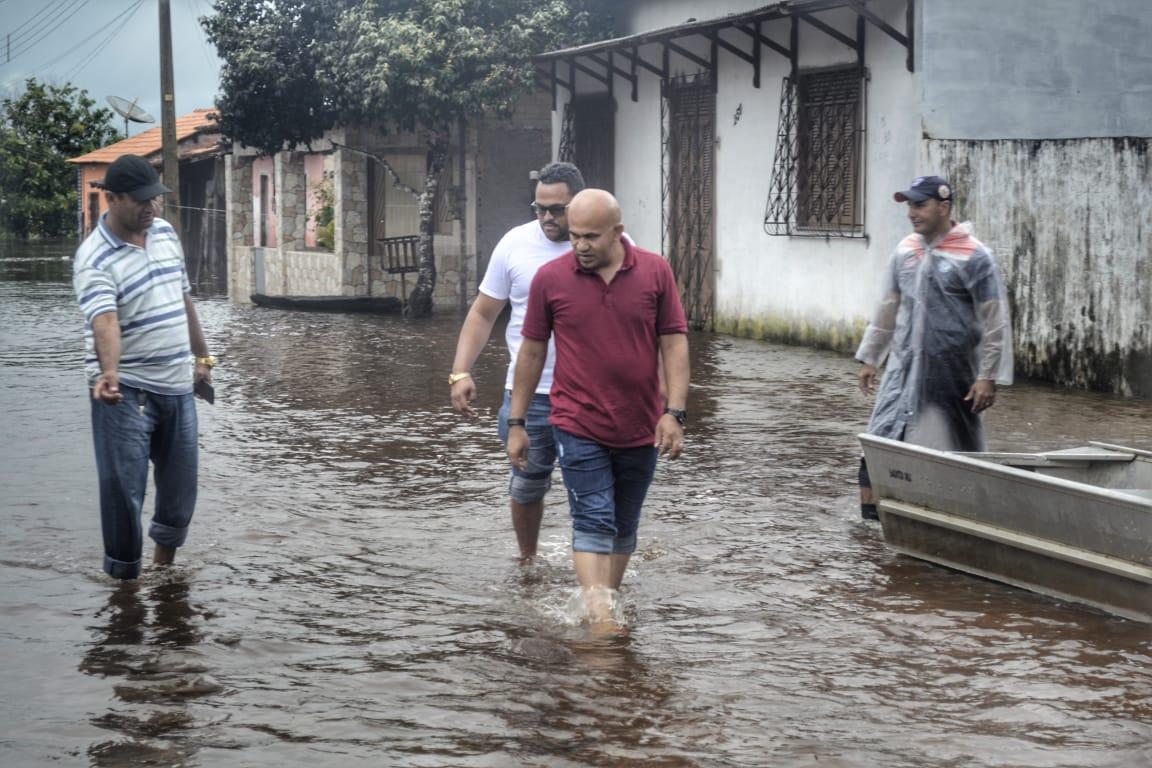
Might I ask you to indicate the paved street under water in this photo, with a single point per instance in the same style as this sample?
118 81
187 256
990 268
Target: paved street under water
349 594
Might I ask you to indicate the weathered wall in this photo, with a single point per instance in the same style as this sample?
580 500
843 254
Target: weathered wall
1071 225
508 151
995 69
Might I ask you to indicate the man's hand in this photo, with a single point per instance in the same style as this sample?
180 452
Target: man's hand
203 373
982 394
463 393
669 436
867 379
107 388
518 447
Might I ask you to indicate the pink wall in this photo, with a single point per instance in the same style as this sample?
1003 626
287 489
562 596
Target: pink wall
314 175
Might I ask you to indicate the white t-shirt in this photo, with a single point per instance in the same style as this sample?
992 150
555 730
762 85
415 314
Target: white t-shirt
522 251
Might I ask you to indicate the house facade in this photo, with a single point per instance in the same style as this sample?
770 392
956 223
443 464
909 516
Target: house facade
759 147
332 220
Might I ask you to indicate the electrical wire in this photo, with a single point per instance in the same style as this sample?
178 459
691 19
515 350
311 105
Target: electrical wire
43 10
55 22
107 40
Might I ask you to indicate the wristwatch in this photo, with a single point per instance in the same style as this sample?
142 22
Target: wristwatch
679 415
516 423
455 377
207 361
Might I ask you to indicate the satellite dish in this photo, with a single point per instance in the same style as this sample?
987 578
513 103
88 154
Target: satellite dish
129 111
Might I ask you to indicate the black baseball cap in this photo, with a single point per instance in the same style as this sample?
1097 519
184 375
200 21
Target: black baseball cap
135 176
924 187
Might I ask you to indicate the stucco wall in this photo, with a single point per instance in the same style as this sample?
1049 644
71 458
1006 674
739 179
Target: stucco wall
1070 223
995 69
809 290
644 17
801 289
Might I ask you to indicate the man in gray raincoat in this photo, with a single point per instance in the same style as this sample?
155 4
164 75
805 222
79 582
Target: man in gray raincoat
944 327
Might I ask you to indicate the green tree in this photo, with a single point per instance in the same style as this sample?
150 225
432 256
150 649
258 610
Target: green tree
39 130
293 68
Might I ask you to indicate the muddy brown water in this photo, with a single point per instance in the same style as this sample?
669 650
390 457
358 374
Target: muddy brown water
349 594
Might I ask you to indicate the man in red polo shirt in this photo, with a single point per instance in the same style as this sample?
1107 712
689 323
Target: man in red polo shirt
615 313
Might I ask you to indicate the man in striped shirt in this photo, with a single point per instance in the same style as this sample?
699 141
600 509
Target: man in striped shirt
144 351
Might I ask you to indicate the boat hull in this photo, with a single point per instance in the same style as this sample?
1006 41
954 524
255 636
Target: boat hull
1047 533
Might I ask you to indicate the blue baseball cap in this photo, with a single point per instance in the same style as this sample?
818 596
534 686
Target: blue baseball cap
924 187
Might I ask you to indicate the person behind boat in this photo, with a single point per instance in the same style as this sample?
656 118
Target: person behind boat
943 324
144 350
614 312
522 251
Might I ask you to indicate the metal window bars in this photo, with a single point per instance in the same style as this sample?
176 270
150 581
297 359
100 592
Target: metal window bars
816 173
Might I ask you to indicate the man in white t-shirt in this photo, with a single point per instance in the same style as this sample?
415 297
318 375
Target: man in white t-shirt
517 256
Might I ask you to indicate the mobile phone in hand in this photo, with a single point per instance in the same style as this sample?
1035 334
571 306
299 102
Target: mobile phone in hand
204 391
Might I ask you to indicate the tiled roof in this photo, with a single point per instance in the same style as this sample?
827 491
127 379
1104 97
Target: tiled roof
150 142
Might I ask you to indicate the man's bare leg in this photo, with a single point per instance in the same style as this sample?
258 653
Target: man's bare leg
526 522
619 564
594 572
163 555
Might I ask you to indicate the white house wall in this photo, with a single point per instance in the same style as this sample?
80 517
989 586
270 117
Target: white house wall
645 17
812 290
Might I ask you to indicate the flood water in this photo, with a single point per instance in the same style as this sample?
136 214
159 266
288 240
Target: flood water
349 594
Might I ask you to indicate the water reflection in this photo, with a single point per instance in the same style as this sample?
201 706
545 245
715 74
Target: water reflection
139 643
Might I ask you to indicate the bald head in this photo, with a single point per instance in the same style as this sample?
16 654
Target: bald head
596 207
594 228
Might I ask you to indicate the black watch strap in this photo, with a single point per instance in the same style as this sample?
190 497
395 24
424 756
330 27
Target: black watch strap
516 423
679 415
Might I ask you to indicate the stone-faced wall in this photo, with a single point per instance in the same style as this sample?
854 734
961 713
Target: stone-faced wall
238 202
1070 223
350 185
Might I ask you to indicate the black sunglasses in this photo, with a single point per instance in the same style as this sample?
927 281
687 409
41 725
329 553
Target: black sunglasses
556 210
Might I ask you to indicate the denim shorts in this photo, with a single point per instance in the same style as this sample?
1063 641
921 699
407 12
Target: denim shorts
528 486
606 489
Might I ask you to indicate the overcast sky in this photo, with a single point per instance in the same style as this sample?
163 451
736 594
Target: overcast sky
108 47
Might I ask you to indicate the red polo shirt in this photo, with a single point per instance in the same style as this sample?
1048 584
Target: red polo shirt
606 387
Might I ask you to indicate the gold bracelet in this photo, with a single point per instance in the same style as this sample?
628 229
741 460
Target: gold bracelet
208 361
455 377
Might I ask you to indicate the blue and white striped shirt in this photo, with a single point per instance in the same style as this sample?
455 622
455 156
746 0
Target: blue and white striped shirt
145 287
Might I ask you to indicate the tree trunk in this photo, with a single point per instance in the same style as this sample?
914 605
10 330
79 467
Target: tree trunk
420 300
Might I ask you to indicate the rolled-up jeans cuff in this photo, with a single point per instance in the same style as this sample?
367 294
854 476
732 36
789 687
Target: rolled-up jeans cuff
596 543
624 545
118 569
603 543
166 535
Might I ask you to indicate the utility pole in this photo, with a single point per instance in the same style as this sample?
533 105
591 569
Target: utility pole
168 119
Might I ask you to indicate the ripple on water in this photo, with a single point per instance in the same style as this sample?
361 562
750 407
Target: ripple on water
350 593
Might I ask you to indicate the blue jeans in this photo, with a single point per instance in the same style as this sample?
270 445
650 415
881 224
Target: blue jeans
606 488
142 427
528 486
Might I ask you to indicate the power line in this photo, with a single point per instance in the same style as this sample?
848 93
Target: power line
55 22
45 9
104 43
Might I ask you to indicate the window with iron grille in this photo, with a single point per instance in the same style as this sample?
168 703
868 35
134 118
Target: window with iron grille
816 176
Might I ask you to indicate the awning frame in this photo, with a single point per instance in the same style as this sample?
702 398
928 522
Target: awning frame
598 60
